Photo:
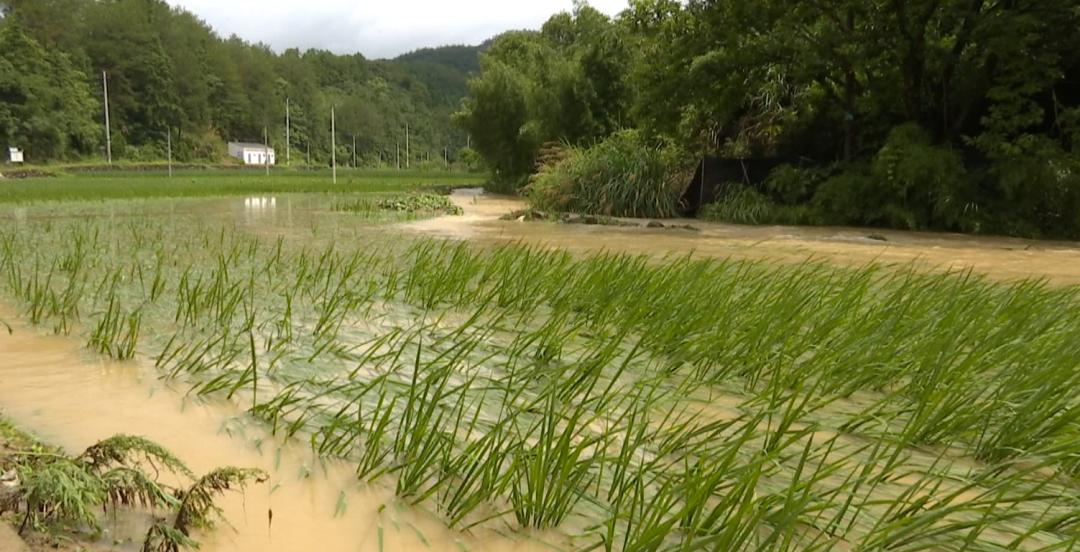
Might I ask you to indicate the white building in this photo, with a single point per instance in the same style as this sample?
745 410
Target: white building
252 154
15 155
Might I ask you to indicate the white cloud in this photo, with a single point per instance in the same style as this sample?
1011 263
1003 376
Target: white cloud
376 29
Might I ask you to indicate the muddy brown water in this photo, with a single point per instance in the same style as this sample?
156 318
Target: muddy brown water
51 386
995 257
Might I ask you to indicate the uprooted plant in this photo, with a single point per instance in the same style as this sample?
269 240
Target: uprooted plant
123 471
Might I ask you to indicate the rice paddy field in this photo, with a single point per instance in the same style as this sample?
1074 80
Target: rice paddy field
516 396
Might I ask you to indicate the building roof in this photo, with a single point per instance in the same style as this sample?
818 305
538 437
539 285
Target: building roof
247 145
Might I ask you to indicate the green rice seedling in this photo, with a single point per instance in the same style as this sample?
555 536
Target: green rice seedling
628 402
549 477
116 335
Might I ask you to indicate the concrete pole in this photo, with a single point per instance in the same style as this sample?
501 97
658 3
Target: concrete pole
108 131
288 135
168 141
333 144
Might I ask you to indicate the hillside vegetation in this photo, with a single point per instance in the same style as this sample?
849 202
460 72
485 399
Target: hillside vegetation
958 115
167 69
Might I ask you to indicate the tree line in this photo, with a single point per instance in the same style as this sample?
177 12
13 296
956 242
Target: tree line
168 71
923 114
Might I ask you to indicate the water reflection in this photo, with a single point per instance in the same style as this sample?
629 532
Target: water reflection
260 203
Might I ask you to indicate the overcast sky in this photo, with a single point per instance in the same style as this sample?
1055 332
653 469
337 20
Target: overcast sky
376 28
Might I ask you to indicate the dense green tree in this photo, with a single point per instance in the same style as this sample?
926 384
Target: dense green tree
45 104
168 71
923 114
566 83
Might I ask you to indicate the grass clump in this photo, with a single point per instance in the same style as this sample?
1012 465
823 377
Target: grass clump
412 204
622 176
745 205
123 471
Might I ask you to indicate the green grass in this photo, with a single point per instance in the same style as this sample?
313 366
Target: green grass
144 185
626 403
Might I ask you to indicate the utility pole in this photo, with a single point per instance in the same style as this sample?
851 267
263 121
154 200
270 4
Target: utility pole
168 141
333 144
407 158
108 132
354 150
446 156
288 135
266 150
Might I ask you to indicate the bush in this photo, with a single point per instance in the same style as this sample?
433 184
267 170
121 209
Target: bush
911 184
925 184
1039 194
792 185
848 197
745 205
622 176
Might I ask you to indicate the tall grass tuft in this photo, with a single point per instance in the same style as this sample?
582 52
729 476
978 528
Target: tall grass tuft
622 176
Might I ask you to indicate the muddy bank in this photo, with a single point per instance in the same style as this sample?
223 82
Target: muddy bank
535 215
999 258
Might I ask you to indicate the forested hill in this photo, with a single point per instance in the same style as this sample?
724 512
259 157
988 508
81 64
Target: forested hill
444 71
168 69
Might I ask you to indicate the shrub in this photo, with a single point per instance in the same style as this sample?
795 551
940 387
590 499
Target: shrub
621 176
910 184
1039 194
925 185
745 205
792 185
846 198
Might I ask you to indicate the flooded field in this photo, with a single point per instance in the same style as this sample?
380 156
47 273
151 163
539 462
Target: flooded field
493 392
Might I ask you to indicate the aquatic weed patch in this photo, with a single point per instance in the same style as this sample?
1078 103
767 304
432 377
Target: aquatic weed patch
411 204
626 403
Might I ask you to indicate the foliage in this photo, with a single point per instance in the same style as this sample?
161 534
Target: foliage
197 508
791 185
60 491
116 473
169 71
930 106
928 184
745 205
45 104
411 204
131 450
565 84
622 176
1038 194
